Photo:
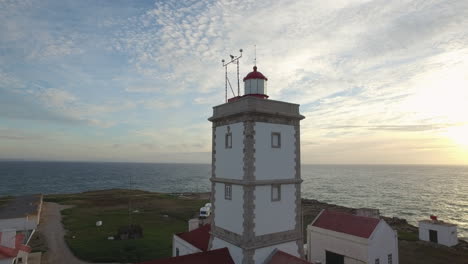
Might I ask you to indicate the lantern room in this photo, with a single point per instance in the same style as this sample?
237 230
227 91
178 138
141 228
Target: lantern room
255 84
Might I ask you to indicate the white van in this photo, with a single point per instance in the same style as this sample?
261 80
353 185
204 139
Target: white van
205 211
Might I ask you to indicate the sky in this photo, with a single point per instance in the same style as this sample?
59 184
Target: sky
379 82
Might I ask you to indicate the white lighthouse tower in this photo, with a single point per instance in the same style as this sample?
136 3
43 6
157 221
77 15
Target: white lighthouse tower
256 176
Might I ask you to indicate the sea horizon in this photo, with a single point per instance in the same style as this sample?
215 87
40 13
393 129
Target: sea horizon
208 163
408 191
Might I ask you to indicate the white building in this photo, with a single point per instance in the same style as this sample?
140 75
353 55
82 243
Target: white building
256 179
438 232
341 238
193 241
13 249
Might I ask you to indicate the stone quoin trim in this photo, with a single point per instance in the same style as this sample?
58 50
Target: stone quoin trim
299 224
249 196
257 241
213 189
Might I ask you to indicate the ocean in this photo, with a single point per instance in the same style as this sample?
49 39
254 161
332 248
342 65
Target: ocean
406 191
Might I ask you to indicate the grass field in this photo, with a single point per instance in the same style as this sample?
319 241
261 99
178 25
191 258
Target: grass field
160 216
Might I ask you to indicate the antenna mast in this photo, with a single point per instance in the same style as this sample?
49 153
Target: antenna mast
255 55
234 59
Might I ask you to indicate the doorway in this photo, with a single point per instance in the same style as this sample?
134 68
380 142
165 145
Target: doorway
433 236
333 258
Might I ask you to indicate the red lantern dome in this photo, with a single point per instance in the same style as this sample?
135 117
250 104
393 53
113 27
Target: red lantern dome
255 84
255 75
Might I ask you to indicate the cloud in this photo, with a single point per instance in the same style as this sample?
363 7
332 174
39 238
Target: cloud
407 128
162 104
9 81
56 47
142 89
15 134
57 98
15 105
187 138
359 69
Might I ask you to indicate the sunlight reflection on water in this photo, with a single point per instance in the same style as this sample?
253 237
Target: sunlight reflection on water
411 192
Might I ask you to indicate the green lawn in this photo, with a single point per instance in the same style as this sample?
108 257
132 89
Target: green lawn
160 215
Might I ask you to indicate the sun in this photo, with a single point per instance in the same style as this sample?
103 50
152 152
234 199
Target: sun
458 134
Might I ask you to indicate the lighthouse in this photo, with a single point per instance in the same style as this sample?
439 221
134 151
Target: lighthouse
256 175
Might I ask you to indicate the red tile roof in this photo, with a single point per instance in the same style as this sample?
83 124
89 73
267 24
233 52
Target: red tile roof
280 257
360 226
217 256
199 237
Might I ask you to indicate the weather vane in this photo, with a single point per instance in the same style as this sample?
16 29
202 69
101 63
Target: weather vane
234 59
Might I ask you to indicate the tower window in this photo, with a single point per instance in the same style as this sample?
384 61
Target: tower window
390 259
377 261
228 138
275 140
275 192
227 191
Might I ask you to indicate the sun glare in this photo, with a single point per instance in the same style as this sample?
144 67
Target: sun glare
459 135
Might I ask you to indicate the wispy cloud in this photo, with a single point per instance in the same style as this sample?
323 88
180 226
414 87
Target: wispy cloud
369 75
15 134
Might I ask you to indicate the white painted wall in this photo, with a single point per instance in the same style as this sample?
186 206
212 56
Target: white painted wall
320 240
230 161
348 260
228 213
236 252
8 238
184 247
356 250
382 242
24 255
19 224
446 234
274 163
262 253
282 212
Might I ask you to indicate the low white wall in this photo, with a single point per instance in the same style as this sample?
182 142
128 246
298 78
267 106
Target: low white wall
19 224
184 247
321 240
24 255
236 252
446 235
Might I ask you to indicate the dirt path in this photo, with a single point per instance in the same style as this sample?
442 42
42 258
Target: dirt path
52 229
